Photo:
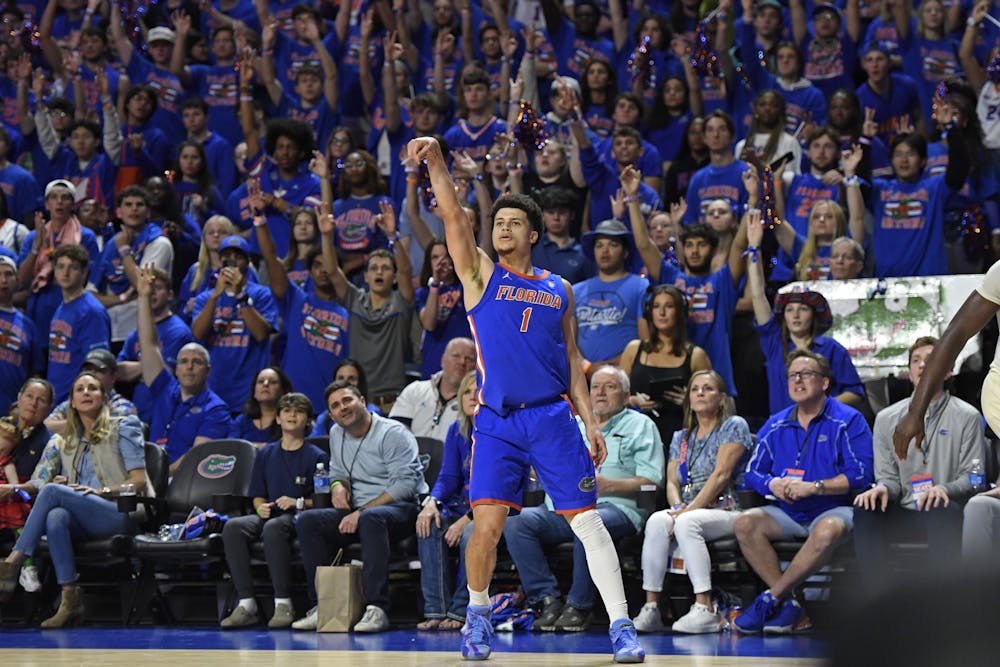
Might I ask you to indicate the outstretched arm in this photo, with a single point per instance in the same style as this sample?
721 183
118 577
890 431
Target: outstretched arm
327 225
150 356
630 179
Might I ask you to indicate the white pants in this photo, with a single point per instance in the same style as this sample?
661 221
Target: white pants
980 530
686 536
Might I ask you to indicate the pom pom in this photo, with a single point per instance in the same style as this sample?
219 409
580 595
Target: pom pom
530 128
642 65
704 59
768 210
426 192
974 232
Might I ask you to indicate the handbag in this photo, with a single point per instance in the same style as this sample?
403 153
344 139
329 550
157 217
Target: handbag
340 596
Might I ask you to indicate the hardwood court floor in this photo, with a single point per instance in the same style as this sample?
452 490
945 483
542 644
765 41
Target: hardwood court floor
202 647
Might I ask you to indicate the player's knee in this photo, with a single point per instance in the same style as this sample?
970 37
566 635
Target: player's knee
589 527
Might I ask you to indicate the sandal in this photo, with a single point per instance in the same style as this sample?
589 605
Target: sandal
449 624
429 624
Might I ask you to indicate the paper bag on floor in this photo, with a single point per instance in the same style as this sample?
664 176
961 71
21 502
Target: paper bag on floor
340 596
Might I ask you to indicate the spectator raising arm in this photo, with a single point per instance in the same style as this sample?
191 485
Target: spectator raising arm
327 226
150 356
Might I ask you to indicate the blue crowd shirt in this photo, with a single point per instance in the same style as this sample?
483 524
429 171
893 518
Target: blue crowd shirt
176 423
78 327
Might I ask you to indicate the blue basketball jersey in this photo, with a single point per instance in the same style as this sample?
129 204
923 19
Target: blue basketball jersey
521 350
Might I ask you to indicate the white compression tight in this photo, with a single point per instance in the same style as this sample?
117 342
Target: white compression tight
691 530
602 561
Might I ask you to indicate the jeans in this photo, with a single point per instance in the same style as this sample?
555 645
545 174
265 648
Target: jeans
277 534
535 526
443 594
378 527
65 515
941 528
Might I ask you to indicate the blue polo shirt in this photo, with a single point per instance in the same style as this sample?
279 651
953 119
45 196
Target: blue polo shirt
176 423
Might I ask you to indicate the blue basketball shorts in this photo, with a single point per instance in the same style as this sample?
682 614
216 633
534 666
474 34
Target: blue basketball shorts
544 437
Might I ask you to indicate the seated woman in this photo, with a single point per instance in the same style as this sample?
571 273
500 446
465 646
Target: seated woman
798 321
659 368
281 485
705 462
78 474
445 522
258 422
351 371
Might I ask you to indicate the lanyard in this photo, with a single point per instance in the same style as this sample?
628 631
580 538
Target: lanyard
803 446
682 468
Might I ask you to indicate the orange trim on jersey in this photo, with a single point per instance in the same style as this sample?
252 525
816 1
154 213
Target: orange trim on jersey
480 363
494 501
545 273
582 509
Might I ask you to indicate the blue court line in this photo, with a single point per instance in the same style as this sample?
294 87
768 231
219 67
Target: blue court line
724 644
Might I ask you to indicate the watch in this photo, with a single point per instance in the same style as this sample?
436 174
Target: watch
300 503
820 487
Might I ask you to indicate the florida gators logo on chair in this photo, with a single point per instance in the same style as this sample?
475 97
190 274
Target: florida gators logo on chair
216 466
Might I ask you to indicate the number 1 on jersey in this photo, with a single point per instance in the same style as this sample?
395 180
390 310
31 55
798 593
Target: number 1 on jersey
525 318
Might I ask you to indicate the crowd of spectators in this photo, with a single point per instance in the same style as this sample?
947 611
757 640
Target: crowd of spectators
210 228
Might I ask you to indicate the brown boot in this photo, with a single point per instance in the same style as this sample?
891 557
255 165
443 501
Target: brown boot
70 609
8 579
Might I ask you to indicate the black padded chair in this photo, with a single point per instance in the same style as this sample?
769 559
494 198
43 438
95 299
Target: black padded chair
216 475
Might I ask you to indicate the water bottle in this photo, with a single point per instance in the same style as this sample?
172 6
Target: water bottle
977 478
321 480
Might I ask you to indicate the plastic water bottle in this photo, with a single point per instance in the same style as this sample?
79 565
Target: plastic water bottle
977 479
321 480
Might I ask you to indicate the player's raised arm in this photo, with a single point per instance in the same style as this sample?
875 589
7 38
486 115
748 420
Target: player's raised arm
470 263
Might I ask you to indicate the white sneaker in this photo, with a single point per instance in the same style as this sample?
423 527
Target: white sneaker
649 619
309 621
374 620
699 620
29 579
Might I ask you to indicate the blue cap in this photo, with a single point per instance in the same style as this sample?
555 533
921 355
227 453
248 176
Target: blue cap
235 241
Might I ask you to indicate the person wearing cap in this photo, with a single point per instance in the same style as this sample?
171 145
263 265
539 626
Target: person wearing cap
234 320
154 70
281 486
809 457
213 82
830 53
101 363
891 99
139 243
609 305
172 332
20 349
626 149
35 267
557 250
919 497
80 323
799 319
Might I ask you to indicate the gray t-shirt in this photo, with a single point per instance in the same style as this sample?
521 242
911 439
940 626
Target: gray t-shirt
380 339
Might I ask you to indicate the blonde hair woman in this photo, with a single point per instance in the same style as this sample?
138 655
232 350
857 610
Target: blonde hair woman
809 257
201 272
703 468
78 474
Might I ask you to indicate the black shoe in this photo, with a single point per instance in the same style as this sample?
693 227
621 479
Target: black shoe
573 620
549 611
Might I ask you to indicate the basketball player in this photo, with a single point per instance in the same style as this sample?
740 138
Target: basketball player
528 362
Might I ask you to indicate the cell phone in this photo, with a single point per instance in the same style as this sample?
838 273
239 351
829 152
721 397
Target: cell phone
657 388
781 161
231 263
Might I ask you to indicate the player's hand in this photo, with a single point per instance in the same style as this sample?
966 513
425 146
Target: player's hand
910 427
599 448
424 149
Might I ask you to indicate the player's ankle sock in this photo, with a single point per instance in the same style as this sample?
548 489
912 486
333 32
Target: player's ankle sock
479 598
602 561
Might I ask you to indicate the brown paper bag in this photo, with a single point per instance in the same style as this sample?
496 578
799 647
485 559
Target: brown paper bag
340 596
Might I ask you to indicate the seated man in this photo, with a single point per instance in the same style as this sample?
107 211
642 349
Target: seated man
429 407
185 412
635 458
375 477
918 496
102 363
809 457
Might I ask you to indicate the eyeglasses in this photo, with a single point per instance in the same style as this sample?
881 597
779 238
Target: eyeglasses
803 375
